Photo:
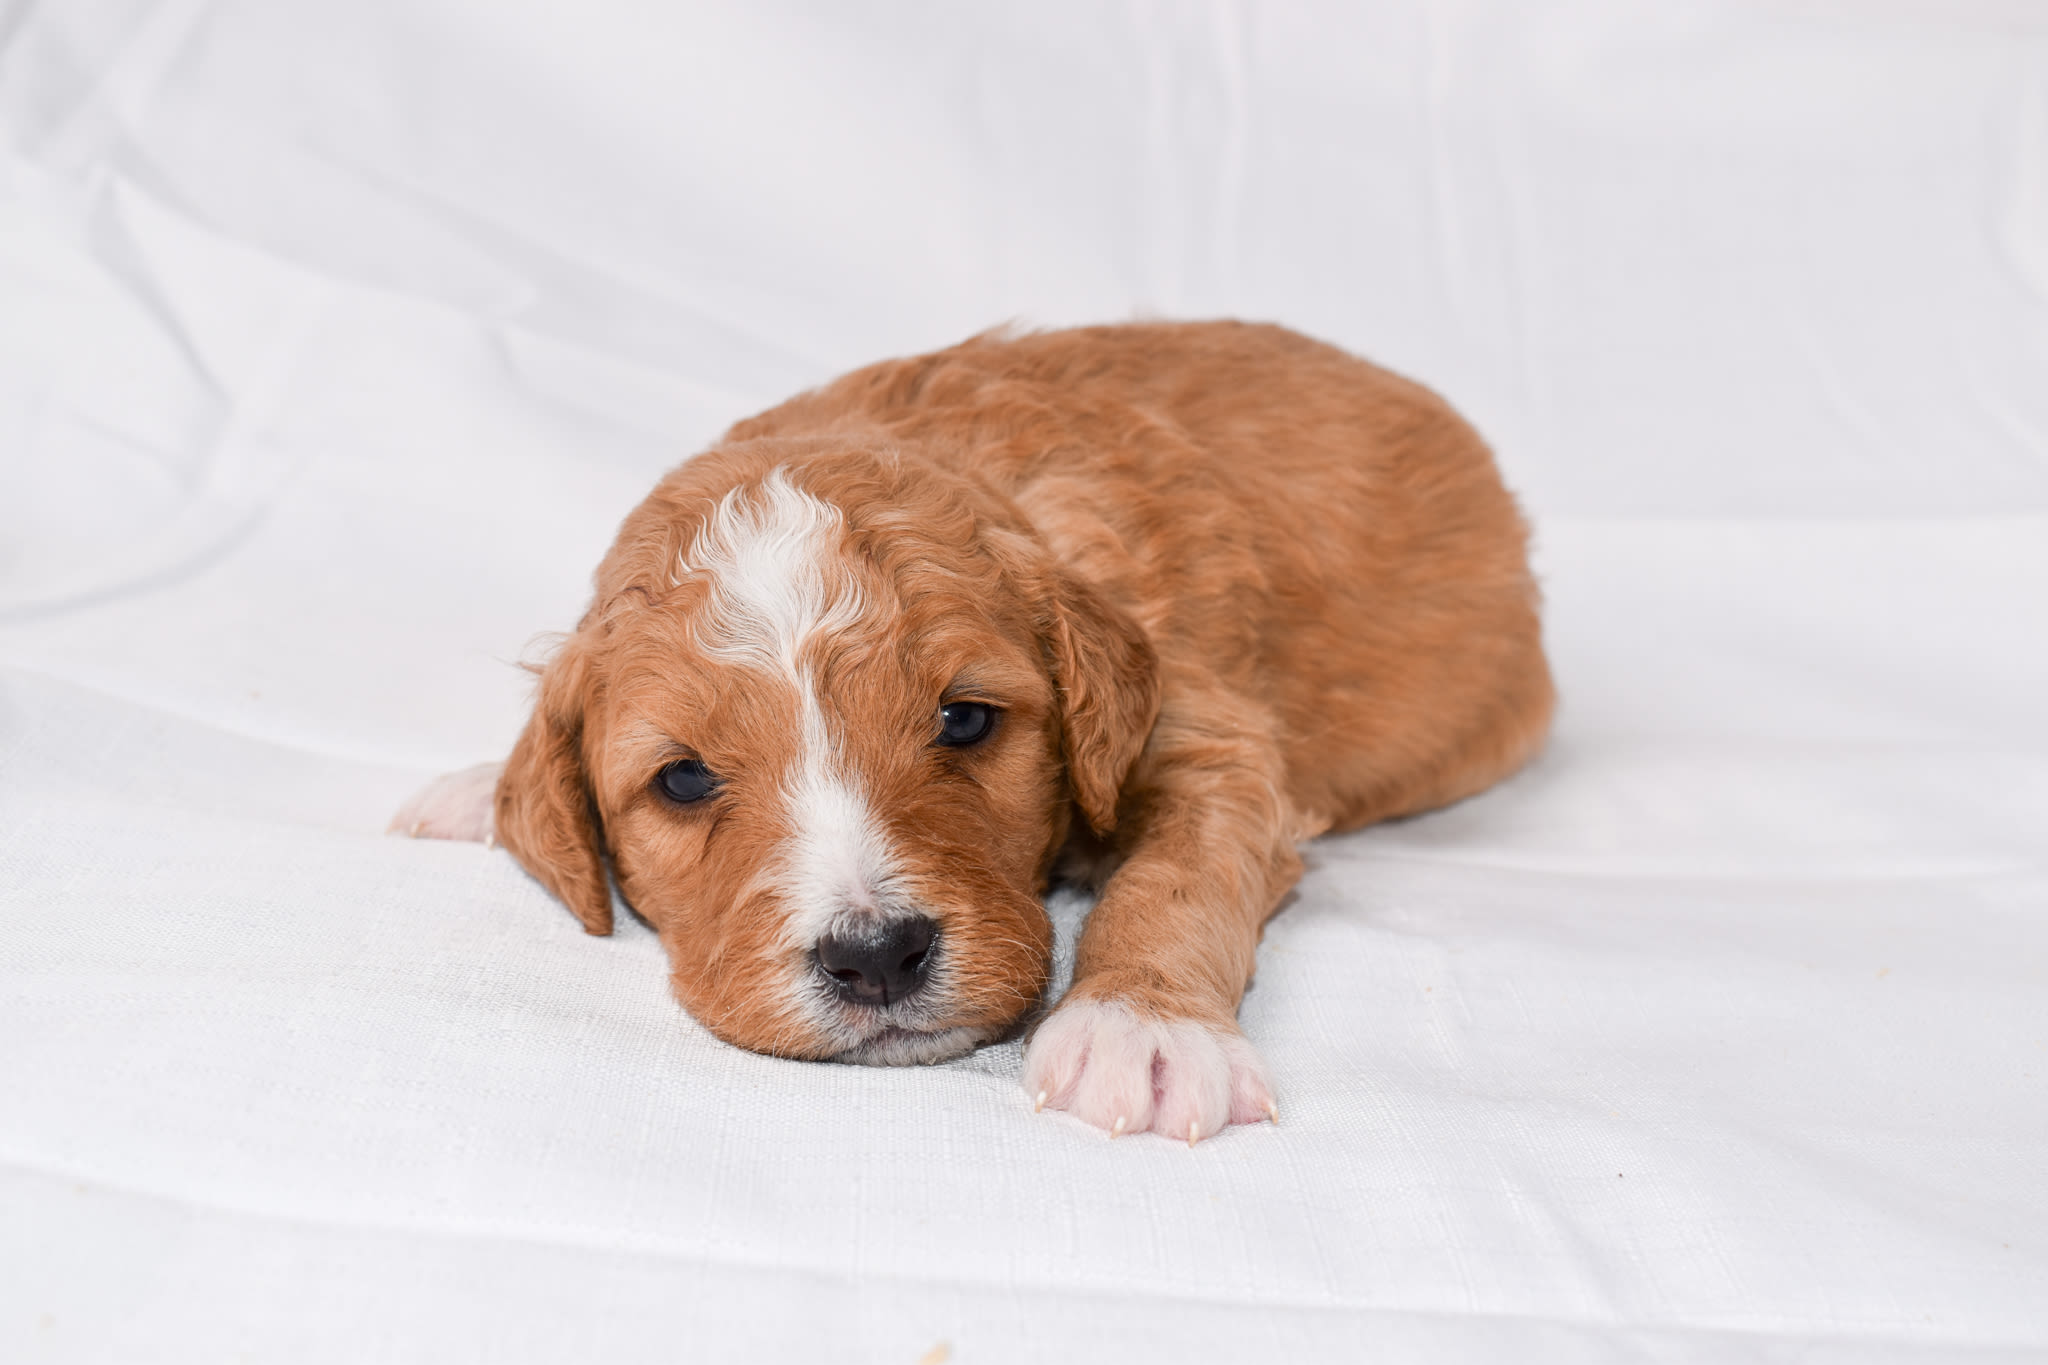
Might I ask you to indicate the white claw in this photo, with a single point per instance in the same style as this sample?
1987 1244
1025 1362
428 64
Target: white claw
1191 1132
490 841
1038 1107
417 826
1118 1129
1273 1112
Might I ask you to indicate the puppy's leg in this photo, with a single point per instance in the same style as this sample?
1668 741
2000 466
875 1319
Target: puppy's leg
452 806
1147 1037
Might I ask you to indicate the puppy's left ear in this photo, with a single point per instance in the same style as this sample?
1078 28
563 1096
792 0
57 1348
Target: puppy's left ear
1108 676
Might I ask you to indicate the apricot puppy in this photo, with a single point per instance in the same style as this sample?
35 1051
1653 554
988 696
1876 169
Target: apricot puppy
1171 598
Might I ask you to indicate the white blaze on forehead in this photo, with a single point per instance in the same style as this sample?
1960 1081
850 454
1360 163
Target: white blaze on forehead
773 558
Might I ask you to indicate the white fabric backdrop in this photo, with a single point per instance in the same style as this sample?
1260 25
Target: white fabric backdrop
335 339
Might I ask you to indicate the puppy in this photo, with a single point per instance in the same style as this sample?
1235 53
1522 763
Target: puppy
1166 598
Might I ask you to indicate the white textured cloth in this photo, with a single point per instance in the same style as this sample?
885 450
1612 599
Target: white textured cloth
336 338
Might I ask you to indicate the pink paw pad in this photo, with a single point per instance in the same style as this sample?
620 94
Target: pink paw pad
452 806
1128 1073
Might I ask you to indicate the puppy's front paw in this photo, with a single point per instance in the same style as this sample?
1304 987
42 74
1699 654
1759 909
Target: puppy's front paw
452 806
1103 1062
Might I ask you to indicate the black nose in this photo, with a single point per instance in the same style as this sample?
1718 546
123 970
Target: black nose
882 963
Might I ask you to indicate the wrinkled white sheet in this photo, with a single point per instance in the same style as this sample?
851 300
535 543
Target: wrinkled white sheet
335 339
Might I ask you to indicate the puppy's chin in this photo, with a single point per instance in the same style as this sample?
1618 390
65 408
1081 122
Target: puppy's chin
910 1047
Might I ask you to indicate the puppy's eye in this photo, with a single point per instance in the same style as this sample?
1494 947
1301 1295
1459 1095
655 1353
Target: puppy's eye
962 723
686 780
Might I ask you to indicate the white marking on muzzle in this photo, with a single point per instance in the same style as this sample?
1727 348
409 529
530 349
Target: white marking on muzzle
838 862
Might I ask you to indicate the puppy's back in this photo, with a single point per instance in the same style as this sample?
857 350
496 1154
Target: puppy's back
1301 525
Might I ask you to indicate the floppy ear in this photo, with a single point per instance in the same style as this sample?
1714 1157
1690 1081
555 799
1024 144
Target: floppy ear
545 814
1108 680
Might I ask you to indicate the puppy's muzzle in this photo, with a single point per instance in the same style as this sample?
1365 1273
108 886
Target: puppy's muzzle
879 964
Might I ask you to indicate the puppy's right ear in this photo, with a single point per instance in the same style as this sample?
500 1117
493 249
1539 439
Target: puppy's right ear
1108 678
544 811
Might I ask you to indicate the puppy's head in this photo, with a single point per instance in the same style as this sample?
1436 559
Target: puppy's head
826 722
